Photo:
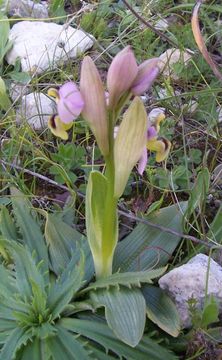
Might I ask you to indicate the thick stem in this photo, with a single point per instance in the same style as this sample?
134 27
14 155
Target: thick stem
110 226
103 267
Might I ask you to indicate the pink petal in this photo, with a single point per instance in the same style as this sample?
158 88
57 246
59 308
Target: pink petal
142 162
70 103
151 133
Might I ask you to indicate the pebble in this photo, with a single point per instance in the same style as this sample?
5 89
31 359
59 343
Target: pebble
35 109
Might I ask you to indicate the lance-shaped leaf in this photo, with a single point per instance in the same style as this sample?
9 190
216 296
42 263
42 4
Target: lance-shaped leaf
161 310
102 246
125 311
30 229
5 102
94 111
129 143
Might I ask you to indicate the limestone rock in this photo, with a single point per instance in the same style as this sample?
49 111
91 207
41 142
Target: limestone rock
170 58
42 46
27 8
219 112
190 107
154 113
35 109
161 24
17 90
189 281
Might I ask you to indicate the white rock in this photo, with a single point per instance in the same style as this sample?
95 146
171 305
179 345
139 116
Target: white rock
155 113
170 58
189 281
219 111
27 8
42 46
217 175
161 24
163 93
35 109
17 90
190 107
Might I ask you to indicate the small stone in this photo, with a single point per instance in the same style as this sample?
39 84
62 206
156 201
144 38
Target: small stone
189 281
217 203
161 24
164 93
217 175
219 111
17 90
170 58
38 45
35 109
190 107
27 8
155 113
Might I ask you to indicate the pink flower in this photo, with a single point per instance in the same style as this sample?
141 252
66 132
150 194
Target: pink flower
69 101
159 145
151 134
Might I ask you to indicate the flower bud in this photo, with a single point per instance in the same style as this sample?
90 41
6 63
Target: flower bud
121 75
147 73
94 111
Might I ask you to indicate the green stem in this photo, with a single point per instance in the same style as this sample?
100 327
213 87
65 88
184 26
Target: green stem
110 226
110 221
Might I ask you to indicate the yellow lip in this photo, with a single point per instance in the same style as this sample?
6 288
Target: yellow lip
58 128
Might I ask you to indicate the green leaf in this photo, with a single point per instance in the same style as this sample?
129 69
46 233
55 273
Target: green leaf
35 350
66 347
215 230
7 283
6 325
126 279
102 247
15 340
100 333
210 312
98 354
57 8
96 196
125 312
5 102
31 231
62 291
146 247
26 269
161 310
21 77
65 242
199 192
7 225
4 42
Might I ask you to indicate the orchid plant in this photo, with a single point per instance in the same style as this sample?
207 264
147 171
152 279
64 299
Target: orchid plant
123 139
